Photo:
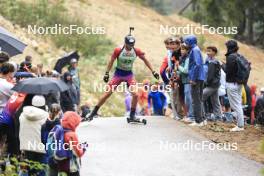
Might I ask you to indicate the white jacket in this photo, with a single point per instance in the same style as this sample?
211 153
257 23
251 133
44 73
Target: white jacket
222 88
31 120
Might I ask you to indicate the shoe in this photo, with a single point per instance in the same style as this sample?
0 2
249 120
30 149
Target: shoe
236 129
91 116
203 123
194 124
187 120
177 118
134 118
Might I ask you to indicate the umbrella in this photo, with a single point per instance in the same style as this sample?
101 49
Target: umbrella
65 60
40 86
10 44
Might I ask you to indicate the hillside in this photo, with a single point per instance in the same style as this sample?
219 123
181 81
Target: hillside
117 16
122 14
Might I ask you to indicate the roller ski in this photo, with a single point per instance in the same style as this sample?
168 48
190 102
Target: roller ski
133 119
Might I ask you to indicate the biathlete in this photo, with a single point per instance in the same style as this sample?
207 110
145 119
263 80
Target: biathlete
125 57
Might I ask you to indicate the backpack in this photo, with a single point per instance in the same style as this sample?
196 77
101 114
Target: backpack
243 69
55 146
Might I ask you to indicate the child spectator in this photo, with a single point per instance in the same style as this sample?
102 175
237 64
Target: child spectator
71 121
143 97
31 120
55 115
253 103
157 99
183 70
212 83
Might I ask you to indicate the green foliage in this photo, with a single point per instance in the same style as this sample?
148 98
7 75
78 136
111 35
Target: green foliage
201 41
13 166
44 14
246 15
163 7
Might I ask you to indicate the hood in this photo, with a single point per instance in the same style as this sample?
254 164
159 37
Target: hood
65 75
190 40
70 120
34 114
253 89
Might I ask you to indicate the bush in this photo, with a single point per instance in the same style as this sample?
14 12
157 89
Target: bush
13 167
45 14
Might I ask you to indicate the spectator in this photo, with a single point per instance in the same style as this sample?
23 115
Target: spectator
6 77
164 65
28 59
212 83
53 97
25 66
74 71
31 120
176 85
259 109
222 88
143 97
4 57
234 89
197 77
183 69
55 115
253 94
128 100
71 121
157 100
68 99
40 72
7 122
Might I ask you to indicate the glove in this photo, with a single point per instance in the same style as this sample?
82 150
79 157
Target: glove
106 77
156 75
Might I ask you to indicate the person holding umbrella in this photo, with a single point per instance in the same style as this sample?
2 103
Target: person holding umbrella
74 71
68 99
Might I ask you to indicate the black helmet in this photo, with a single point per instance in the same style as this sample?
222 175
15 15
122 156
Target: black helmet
130 40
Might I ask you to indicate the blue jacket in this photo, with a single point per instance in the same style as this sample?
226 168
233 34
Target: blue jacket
158 100
196 70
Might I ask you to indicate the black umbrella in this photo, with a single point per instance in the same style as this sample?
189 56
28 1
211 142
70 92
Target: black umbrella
10 44
40 86
65 60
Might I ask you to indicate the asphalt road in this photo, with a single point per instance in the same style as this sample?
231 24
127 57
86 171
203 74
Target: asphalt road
163 147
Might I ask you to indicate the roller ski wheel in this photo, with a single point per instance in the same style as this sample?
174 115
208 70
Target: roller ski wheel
142 121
